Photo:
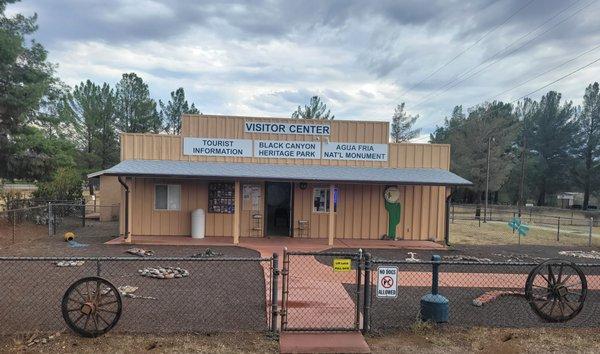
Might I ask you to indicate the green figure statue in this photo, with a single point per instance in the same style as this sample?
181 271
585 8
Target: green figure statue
394 209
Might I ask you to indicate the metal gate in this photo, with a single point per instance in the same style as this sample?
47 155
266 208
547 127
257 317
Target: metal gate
321 291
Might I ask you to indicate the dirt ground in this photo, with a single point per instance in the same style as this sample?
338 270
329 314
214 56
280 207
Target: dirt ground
422 339
486 340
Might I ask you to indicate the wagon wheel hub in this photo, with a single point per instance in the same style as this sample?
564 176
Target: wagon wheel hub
88 308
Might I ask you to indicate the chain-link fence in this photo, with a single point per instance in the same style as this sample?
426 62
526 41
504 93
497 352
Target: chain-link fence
205 295
479 294
90 223
472 224
24 224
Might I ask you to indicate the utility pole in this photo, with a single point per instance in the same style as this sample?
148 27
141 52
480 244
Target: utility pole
522 182
487 180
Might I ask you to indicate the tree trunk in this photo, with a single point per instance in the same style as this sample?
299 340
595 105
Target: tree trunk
542 194
587 183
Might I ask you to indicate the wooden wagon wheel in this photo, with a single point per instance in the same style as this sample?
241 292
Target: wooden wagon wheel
91 306
556 290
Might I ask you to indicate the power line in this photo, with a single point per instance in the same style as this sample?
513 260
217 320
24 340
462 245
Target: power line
467 49
547 71
559 79
454 82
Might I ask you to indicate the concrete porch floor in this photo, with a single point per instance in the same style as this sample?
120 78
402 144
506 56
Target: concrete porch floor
269 245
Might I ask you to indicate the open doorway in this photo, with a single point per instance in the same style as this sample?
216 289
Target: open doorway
278 215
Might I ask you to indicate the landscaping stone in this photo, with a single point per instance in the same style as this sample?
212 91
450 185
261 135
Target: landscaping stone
581 254
70 263
164 272
140 252
208 253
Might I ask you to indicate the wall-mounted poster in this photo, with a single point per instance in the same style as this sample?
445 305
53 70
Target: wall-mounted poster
251 197
221 198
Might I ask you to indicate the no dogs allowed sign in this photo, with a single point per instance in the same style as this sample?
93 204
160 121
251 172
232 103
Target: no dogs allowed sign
387 282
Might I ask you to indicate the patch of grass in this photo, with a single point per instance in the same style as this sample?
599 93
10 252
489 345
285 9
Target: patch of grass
498 233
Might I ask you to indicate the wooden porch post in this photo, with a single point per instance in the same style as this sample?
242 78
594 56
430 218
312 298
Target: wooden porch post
331 214
236 213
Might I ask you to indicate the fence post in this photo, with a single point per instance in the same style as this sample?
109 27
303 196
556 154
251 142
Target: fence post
83 212
284 288
558 230
14 225
358 284
590 235
274 292
367 295
50 221
98 269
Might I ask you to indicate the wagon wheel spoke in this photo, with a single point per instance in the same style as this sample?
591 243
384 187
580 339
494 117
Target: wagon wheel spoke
79 318
98 294
551 275
80 294
561 307
87 319
560 273
105 310
569 305
95 320
102 318
107 303
76 301
87 287
567 278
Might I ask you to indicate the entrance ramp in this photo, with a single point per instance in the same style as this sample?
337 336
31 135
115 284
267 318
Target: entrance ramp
328 342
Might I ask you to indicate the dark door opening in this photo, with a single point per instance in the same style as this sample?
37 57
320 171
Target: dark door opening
278 217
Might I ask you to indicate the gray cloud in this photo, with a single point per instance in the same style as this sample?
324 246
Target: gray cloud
363 58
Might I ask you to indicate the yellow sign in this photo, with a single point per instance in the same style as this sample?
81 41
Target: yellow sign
342 264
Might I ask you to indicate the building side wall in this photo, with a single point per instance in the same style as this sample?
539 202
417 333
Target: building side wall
109 198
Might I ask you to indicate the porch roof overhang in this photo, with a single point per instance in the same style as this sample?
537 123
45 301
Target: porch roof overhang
283 172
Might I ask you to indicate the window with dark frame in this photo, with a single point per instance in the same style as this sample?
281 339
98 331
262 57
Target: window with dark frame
321 199
167 196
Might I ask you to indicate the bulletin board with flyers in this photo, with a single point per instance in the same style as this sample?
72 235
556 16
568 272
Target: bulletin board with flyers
251 197
221 198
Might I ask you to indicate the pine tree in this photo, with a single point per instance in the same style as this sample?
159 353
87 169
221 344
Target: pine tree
136 111
172 111
316 109
586 144
402 125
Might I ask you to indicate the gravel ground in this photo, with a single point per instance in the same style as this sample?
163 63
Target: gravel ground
510 311
217 296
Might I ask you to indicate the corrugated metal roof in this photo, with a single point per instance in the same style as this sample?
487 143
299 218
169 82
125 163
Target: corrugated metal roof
223 170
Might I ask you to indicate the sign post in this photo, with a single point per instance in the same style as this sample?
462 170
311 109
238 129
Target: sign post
387 282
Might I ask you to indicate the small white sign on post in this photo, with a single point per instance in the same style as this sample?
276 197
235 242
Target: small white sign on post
387 282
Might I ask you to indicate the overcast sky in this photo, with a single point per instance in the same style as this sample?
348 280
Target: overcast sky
362 57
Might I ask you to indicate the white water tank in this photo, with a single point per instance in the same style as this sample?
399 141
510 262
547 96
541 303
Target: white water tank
198 222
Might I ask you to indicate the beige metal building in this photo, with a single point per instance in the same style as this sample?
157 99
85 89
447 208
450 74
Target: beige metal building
279 177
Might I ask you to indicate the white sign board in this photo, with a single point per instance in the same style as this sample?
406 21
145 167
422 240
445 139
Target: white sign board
354 151
217 147
287 128
387 282
287 149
